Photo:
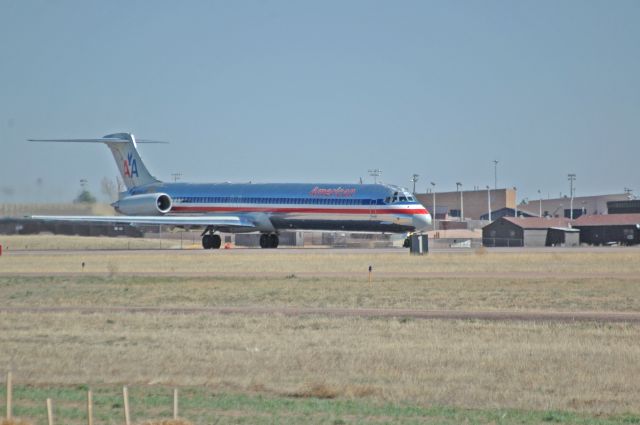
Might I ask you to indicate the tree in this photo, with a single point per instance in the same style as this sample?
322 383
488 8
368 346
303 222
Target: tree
85 197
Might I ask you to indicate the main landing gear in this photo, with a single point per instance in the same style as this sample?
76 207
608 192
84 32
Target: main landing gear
210 240
269 241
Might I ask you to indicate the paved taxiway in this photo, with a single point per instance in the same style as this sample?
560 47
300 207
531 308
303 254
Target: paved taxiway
324 250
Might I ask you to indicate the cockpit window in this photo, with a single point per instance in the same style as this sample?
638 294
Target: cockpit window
403 199
411 198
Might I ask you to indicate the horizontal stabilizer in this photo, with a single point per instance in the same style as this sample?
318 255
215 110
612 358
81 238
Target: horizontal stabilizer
123 146
103 140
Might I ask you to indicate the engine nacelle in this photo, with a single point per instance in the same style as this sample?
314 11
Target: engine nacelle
147 204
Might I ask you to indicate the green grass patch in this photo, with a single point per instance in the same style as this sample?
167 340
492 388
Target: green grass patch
205 406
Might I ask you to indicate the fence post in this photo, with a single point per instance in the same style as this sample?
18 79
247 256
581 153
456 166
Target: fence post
175 403
125 397
89 407
49 412
9 397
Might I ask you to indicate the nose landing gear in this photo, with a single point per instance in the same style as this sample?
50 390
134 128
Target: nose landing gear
269 241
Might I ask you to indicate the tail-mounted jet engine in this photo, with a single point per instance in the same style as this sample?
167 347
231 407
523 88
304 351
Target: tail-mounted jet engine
147 204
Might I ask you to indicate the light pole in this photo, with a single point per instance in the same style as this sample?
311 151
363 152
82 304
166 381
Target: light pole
433 192
540 202
375 173
458 186
571 178
489 201
176 176
495 174
515 191
414 179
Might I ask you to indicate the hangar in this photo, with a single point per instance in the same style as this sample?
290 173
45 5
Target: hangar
608 229
529 232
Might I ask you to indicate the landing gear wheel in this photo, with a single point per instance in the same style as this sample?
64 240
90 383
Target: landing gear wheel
269 241
264 241
211 241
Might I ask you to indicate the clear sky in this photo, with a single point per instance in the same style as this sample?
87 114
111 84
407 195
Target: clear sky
284 91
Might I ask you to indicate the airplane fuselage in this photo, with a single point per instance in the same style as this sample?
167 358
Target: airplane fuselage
347 207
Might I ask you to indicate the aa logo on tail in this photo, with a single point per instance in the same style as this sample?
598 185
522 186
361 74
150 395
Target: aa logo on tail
130 166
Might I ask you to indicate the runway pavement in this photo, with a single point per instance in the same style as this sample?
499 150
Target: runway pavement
328 250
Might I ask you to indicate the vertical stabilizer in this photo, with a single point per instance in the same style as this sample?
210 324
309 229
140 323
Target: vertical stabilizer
132 169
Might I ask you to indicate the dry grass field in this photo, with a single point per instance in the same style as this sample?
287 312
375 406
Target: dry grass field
258 263
59 242
482 294
583 367
357 369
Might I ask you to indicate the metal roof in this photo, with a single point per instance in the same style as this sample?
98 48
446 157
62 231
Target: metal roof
608 220
539 222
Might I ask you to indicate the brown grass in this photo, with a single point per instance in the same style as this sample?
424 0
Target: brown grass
581 366
544 294
585 366
167 422
318 390
14 421
64 242
306 262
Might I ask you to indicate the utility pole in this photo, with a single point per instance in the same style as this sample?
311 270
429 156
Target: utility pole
176 176
433 192
458 186
495 174
489 201
414 179
571 178
375 173
540 202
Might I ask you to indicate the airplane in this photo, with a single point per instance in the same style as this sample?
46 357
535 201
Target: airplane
267 208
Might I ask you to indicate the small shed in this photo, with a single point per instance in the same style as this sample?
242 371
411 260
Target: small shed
525 231
623 229
563 236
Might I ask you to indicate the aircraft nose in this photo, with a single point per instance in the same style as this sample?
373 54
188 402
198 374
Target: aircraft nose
422 222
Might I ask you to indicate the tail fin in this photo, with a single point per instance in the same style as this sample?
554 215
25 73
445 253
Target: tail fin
124 148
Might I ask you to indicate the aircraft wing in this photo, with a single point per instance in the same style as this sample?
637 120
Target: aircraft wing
234 222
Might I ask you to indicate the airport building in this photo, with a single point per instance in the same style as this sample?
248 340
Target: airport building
561 207
474 204
623 229
530 232
631 206
470 203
